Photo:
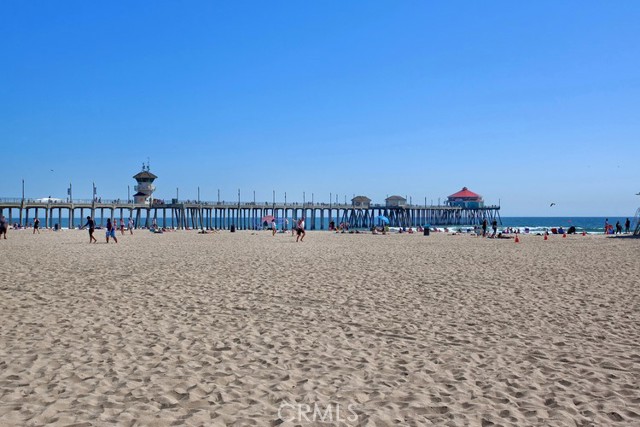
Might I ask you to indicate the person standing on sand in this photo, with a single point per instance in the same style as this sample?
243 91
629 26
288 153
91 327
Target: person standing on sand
111 231
484 228
494 227
3 227
301 232
92 227
36 226
131 225
122 226
606 226
273 227
627 226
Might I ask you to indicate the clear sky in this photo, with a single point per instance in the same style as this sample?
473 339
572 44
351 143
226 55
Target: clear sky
524 102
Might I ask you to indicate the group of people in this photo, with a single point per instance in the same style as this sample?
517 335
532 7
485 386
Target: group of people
111 229
494 227
609 228
297 229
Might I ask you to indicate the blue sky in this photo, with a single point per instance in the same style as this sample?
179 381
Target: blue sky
524 102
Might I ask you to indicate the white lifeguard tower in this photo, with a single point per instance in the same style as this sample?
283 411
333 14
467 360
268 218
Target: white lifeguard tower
145 187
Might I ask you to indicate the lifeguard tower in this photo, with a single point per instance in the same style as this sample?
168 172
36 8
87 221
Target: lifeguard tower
145 187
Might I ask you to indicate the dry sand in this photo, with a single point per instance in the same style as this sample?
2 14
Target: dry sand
228 329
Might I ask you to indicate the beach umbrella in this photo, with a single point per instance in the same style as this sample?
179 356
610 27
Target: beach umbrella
268 218
383 219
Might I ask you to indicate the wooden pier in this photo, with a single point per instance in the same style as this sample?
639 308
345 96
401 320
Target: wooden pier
241 215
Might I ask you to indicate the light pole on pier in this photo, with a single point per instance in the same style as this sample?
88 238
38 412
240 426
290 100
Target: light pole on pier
95 191
23 190
177 195
274 198
218 196
312 198
285 198
128 194
70 195
254 197
303 198
198 194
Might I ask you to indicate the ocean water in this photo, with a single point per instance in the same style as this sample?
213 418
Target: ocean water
533 224
588 224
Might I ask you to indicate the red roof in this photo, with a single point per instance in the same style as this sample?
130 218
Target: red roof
465 194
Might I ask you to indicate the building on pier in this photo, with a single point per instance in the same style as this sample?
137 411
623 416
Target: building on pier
465 198
361 202
395 202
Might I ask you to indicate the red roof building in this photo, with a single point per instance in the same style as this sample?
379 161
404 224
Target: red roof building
465 198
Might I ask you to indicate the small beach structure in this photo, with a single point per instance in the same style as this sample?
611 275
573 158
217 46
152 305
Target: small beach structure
361 202
465 198
395 202
145 187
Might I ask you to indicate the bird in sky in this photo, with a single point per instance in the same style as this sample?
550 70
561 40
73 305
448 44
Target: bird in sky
552 204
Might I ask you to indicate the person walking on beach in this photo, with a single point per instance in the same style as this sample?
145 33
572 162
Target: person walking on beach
273 227
3 227
627 226
618 228
131 225
122 226
111 231
494 227
484 228
301 232
92 227
36 226
606 226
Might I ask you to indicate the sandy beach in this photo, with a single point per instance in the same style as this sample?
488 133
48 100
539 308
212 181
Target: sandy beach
249 329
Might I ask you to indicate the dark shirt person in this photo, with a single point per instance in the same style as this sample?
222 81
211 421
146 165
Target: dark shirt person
92 227
3 227
111 231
